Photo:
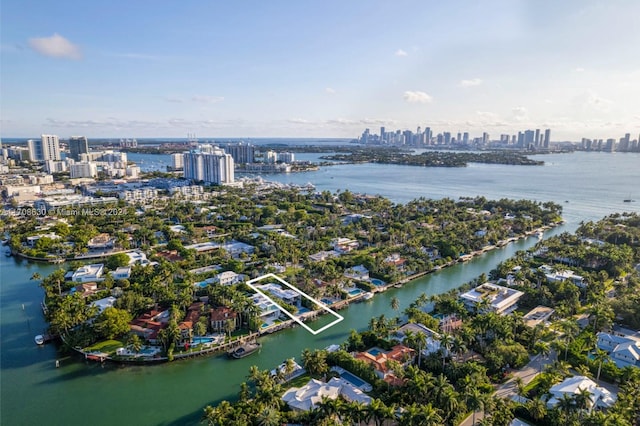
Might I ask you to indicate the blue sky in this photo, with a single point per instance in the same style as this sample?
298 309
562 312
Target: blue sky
318 69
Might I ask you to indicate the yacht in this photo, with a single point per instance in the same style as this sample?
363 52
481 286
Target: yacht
244 350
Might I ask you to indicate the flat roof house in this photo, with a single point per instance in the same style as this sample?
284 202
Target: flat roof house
501 300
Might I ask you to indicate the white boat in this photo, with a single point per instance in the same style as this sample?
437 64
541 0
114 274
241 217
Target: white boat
39 339
368 295
540 235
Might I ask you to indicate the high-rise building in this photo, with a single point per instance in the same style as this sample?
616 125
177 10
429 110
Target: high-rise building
177 161
536 141
83 170
47 148
383 136
242 152
78 145
427 135
465 138
547 138
529 138
210 167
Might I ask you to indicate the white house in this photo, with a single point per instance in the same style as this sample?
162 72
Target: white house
502 300
358 272
624 351
228 278
121 273
566 275
599 397
88 273
105 303
287 295
310 395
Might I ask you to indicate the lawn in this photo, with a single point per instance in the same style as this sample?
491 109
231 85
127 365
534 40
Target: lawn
108 346
297 382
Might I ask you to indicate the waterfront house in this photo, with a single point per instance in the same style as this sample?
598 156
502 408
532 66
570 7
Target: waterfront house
219 317
599 398
624 351
88 273
492 297
311 395
395 259
31 241
86 289
286 295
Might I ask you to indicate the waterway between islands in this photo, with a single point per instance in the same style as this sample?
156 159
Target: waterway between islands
35 392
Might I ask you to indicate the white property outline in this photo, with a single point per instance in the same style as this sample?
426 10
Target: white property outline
289 314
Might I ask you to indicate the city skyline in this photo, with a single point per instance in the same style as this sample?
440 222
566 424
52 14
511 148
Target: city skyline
285 69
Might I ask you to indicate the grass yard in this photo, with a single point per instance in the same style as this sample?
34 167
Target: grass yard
108 346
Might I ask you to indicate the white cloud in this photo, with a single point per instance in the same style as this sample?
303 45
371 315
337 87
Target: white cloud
401 52
207 99
579 69
471 83
55 46
417 97
330 91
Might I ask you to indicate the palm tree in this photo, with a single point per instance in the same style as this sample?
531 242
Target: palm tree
600 356
475 401
583 399
315 362
537 409
268 416
446 342
36 276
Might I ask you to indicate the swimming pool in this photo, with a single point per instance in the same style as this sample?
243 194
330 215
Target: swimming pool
202 340
377 282
202 284
375 351
355 292
354 380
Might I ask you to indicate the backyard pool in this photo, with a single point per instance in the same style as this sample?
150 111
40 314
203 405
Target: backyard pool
202 284
202 340
354 380
377 282
355 292
375 351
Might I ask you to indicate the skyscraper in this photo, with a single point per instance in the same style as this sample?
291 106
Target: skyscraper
241 152
215 166
47 148
547 138
78 145
536 141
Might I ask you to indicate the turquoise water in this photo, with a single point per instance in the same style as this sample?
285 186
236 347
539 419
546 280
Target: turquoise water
375 351
201 340
377 282
355 292
595 184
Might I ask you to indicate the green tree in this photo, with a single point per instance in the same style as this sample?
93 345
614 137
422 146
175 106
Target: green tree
112 322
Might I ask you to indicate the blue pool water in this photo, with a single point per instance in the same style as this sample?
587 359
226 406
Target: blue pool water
326 301
202 284
302 310
355 292
374 351
377 282
201 340
354 380
148 351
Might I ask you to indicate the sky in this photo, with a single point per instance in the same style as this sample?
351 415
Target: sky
327 68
